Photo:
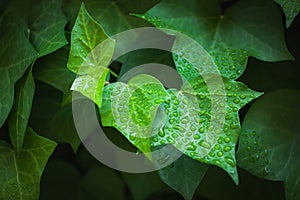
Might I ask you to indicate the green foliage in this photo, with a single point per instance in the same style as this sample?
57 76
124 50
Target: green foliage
50 50
21 179
291 8
268 144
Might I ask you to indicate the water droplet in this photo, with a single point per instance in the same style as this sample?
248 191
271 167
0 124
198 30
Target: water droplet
232 67
236 100
212 154
227 140
170 140
124 119
192 147
201 130
230 161
220 153
234 125
205 144
185 120
192 128
242 96
227 148
196 136
161 134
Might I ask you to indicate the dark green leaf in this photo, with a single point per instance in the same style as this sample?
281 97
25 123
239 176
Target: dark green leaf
20 174
269 143
15 56
26 34
46 27
184 175
52 69
21 110
230 38
290 8
114 16
52 120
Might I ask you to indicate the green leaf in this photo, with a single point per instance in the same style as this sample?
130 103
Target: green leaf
290 8
21 110
199 131
52 69
221 34
30 33
20 174
90 54
14 60
269 141
114 15
184 175
144 56
52 120
132 108
46 27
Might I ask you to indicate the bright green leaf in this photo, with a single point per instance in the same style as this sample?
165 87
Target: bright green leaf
229 38
184 175
269 143
290 8
132 108
90 54
21 110
20 174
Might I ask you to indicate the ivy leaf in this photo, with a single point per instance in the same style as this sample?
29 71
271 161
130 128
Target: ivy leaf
114 15
269 141
46 27
20 174
14 59
90 54
221 34
52 120
184 175
290 8
52 69
42 33
20 113
131 108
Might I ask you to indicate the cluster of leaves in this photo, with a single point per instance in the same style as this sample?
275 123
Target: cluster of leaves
50 48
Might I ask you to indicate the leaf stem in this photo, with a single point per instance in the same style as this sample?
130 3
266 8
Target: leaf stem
113 73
